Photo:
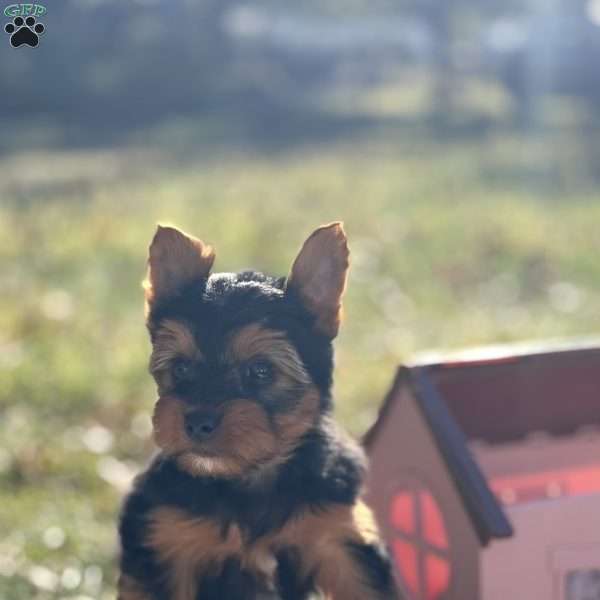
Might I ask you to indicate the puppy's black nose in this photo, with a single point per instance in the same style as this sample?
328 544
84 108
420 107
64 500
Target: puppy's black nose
201 425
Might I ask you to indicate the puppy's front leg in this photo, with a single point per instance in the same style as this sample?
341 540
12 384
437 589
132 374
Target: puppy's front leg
363 572
345 554
228 581
355 569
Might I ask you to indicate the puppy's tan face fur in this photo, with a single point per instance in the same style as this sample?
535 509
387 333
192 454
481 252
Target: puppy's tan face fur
254 432
242 361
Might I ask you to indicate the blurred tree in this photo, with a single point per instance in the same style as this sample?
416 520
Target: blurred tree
105 66
449 22
122 63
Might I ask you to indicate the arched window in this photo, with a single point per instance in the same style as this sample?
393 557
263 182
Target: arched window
420 545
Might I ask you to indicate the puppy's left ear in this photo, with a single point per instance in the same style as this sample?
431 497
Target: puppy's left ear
318 276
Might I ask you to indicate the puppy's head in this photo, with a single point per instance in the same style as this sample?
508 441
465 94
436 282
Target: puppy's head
243 362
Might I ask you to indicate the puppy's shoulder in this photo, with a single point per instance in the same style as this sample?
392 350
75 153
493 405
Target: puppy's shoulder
329 467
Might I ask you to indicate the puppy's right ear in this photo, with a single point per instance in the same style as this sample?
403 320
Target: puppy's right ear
174 260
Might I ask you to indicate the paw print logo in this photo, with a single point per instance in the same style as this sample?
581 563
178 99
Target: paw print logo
24 31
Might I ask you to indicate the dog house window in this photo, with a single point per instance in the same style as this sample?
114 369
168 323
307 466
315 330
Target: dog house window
582 585
420 543
578 570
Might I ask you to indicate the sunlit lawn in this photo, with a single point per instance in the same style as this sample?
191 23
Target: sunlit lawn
445 255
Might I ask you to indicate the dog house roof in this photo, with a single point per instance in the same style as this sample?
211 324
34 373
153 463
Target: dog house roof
497 397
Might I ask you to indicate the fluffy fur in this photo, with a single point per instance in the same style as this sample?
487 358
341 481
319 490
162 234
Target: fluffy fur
255 493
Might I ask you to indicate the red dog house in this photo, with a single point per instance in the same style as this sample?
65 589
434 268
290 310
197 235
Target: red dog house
485 476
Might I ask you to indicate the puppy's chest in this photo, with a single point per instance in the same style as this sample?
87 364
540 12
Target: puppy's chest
194 549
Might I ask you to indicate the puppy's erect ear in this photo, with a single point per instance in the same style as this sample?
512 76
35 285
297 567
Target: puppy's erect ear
318 276
175 259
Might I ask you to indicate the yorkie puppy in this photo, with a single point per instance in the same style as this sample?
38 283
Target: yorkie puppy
255 493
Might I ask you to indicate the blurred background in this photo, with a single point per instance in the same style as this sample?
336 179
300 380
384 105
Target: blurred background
458 140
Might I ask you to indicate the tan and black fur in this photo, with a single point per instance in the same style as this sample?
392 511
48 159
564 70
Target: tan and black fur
255 493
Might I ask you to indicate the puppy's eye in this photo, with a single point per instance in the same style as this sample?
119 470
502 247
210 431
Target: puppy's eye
258 372
182 371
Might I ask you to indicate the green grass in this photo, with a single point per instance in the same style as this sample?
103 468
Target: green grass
445 255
